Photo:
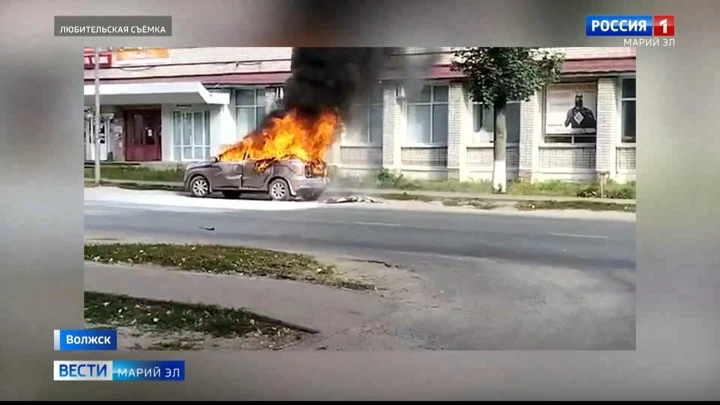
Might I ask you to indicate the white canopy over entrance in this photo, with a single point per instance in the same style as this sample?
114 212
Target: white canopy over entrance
154 93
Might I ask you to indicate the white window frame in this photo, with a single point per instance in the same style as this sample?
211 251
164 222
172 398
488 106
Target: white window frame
491 109
367 106
255 106
207 134
621 102
431 103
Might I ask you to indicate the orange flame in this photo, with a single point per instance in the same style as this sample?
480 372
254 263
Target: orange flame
292 136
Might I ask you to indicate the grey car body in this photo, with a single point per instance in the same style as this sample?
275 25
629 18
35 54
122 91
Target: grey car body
282 180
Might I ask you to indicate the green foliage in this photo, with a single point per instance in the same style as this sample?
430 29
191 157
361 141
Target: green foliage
559 188
161 316
549 188
137 173
611 190
574 205
388 179
497 75
218 259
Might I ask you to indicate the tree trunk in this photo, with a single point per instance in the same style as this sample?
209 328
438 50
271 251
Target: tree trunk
499 176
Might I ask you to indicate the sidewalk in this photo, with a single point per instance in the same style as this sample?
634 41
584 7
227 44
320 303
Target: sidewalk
390 192
324 309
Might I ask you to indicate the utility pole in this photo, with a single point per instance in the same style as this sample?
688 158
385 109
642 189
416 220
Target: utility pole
96 67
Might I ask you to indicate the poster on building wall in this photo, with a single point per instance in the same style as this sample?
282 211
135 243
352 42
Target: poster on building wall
571 108
141 56
128 54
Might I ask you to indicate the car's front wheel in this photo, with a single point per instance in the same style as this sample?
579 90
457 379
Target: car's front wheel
279 190
199 187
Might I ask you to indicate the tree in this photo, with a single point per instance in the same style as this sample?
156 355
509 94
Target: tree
499 75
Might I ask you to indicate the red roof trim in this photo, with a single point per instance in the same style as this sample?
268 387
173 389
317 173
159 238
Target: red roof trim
435 72
575 66
233 78
605 65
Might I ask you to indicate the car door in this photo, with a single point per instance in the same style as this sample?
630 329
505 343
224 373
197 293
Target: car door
229 176
252 178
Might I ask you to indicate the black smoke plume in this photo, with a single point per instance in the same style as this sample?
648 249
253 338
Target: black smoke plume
324 79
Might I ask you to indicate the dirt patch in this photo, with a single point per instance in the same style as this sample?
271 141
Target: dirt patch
395 282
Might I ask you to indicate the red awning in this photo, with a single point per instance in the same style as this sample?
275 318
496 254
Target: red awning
614 65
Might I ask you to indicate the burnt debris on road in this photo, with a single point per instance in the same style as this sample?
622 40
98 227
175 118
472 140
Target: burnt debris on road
352 199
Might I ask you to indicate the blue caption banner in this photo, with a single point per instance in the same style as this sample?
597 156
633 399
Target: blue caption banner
119 370
619 26
85 339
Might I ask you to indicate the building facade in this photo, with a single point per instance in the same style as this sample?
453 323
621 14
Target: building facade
181 105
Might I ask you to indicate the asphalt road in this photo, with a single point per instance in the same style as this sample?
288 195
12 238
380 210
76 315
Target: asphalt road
507 282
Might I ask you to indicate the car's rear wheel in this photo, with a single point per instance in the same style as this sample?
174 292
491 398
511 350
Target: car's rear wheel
199 187
231 194
279 190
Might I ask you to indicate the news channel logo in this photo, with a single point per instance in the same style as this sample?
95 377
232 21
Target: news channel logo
85 339
630 26
119 370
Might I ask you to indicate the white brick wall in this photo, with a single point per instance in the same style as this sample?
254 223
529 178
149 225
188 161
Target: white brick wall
393 135
431 157
625 159
481 159
607 124
459 130
224 122
567 158
362 156
531 132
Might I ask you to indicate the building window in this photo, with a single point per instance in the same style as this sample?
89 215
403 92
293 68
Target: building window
191 135
427 116
571 112
366 121
249 110
627 100
484 122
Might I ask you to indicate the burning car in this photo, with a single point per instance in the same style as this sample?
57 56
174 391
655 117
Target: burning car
280 179
284 158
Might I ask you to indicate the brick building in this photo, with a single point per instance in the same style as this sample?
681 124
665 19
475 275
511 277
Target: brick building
182 104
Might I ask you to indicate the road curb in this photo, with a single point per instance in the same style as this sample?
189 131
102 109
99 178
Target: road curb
394 195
